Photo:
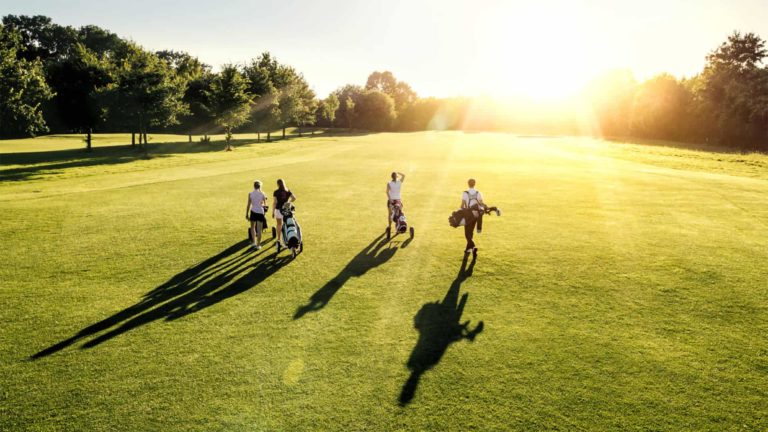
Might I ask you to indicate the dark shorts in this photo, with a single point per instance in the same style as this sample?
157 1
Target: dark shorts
258 217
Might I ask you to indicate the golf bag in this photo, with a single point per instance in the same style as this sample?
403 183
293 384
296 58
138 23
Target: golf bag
460 216
291 229
398 217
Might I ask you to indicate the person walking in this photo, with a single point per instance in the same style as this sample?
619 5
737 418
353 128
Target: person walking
282 196
394 189
254 212
472 204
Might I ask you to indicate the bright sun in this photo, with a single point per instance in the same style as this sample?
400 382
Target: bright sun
536 55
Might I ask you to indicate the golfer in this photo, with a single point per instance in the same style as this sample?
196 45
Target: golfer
254 212
393 195
282 196
472 203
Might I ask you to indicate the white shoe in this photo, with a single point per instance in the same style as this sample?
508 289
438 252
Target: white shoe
257 247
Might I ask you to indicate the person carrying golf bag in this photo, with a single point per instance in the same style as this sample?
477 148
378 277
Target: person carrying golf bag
473 209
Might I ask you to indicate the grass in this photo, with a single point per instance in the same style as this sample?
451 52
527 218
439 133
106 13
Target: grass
622 289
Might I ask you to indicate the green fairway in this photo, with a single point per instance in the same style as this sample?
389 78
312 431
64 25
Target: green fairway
623 288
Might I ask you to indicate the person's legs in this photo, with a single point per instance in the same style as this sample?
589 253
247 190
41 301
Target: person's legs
469 231
389 215
253 233
258 224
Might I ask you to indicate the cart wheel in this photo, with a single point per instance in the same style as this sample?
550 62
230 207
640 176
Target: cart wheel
278 247
412 232
389 233
301 247
274 232
293 252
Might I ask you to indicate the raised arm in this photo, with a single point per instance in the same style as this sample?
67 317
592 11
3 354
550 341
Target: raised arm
402 177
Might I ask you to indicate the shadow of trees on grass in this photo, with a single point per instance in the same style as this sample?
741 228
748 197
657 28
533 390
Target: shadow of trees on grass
224 275
52 162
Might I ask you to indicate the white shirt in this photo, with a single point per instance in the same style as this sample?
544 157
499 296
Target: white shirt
394 189
473 198
257 197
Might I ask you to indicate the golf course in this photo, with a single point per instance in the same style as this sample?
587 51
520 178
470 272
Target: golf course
622 288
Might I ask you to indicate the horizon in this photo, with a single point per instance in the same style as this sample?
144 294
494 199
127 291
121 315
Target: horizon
419 42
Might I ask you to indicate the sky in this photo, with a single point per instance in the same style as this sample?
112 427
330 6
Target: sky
537 49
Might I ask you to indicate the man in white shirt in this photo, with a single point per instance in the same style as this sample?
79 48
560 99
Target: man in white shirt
472 202
393 195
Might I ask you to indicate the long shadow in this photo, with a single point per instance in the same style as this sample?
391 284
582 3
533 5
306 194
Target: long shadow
373 255
224 275
439 325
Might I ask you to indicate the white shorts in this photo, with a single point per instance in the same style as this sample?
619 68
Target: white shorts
278 214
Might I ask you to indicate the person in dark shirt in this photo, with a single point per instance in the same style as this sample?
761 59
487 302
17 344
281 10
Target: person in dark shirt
282 195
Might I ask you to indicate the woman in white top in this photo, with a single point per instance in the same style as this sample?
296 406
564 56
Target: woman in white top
254 212
393 194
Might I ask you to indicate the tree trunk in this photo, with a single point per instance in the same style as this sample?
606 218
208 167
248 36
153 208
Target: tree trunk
88 140
190 137
283 132
299 129
133 139
145 139
258 136
269 136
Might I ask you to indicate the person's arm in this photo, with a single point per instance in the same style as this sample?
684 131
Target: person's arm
292 198
402 177
248 206
388 188
480 198
463 200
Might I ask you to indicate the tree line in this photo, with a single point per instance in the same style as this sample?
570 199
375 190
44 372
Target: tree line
62 79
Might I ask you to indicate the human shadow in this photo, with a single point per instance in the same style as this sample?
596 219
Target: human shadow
224 275
439 325
373 255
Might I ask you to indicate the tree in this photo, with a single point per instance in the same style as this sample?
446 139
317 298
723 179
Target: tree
265 115
349 111
22 89
400 92
735 84
145 92
661 109
229 100
330 105
77 80
40 38
348 96
196 77
375 111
